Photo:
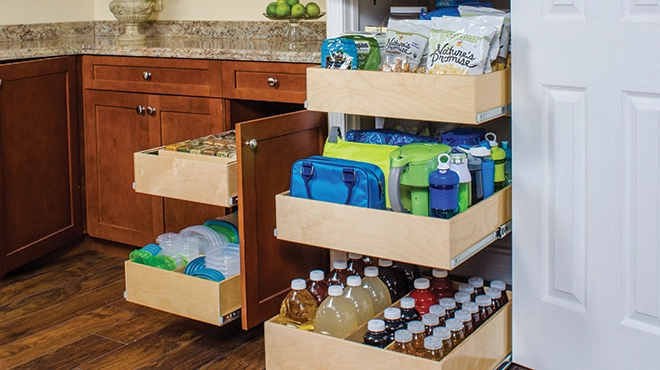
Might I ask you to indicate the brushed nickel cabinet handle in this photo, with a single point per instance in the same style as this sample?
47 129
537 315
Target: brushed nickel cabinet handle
0 82
252 143
151 111
146 75
139 109
272 81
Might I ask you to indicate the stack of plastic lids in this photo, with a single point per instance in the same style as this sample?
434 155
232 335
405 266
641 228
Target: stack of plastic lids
225 259
207 237
144 254
196 268
225 225
168 260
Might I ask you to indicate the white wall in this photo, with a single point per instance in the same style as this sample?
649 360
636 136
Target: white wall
45 11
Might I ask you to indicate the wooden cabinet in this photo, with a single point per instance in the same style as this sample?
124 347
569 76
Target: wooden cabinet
119 123
40 184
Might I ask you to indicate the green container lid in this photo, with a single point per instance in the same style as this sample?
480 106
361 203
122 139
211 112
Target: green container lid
419 160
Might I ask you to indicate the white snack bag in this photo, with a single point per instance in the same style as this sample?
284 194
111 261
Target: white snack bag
501 41
459 45
406 42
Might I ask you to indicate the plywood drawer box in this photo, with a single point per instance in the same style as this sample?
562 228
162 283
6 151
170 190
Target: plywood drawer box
265 81
183 295
419 240
153 75
426 97
291 348
192 177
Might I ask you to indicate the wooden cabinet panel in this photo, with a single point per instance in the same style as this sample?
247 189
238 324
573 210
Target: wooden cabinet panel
40 193
250 80
267 264
114 130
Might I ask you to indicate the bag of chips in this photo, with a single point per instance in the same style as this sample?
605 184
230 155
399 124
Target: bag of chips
406 44
368 51
339 53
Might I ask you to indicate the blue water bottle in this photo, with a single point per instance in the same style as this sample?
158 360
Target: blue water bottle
487 167
443 189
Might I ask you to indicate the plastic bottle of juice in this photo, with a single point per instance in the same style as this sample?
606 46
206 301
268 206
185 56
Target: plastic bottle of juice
450 306
298 309
376 334
417 329
461 298
408 311
359 299
355 264
408 272
433 348
377 290
393 320
499 284
335 316
478 283
457 331
423 296
441 285
392 279
466 317
430 321
317 286
467 288
403 342
445 335
440 311
338 274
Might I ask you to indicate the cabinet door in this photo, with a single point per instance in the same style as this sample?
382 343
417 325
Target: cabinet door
114 130
40 194
268 265
182 118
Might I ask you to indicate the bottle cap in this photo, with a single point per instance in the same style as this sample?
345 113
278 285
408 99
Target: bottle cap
392 313
476 281
385 263
436 309
482 300
480 151
448 303
463 315
439 273
471 306
407 302
354 280
402 335
454 324
371 271
339 265
499 284
492 140
505 144
416 326
354 256
465 287
458 158
430 319
493 293
462 297
432 342
335 290
422 283
298 284
376 325
444 162
442 332
316 275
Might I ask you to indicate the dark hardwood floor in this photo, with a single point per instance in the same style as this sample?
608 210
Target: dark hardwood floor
67 311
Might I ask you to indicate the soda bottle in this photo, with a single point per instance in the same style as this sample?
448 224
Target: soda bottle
377 290
423 296
298 309
393 320
441 286
459 164
394 282
376 335
317 286
359 299
403 342
443 189
338 274
408 311
335 315
355 264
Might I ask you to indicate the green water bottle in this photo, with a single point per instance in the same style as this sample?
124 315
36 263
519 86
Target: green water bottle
459 164
499 157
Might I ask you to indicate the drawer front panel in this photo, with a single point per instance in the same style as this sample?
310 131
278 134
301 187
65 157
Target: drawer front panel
280 82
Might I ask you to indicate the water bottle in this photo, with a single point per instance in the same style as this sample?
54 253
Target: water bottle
474 165
499 159
459 164
487 168
443 189
507 163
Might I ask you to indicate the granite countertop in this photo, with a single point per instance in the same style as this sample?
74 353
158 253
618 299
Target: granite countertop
249 41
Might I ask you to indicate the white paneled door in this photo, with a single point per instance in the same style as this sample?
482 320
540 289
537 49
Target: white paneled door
586 203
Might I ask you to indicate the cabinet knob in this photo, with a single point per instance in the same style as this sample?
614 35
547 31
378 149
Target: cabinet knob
0 82
272 81
252 143
146 75
151 111
139 109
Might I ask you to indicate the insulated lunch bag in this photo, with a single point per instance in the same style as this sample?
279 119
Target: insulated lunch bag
338 181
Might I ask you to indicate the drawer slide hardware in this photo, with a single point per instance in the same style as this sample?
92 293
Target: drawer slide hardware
495 112
500 233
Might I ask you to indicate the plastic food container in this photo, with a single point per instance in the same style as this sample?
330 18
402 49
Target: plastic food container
225 259
206 235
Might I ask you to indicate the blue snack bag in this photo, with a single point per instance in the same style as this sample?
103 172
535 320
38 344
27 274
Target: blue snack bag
339 53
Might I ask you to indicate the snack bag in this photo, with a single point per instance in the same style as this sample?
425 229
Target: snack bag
339 53
368 51
503 33
459 46
406 43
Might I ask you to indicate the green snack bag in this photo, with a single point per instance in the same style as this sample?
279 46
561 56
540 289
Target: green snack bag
368 51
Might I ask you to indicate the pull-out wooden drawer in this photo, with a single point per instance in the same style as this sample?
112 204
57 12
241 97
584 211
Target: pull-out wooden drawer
419 240
193 177
153 75
291 348
266 81
426 97
184 295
